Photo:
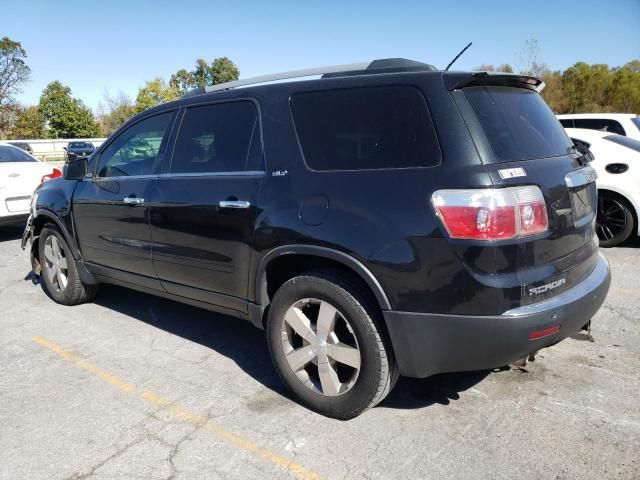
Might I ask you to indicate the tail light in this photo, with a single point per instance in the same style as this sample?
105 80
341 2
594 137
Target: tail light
492 213
55 174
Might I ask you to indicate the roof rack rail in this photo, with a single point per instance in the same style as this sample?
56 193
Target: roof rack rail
375 66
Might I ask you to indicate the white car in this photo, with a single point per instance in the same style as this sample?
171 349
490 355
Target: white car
617 162
20 174
627 124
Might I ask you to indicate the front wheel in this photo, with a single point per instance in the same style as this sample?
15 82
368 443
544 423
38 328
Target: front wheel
614 221
59 270
329 346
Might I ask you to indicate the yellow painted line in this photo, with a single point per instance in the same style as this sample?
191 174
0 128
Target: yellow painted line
180 412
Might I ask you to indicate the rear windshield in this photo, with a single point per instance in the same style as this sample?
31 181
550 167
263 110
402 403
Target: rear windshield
518 123
14 154
631 143
366 128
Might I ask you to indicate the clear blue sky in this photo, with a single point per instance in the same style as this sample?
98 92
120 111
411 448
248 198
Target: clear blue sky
117 45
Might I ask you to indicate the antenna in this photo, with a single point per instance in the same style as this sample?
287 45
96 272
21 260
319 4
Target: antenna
458 56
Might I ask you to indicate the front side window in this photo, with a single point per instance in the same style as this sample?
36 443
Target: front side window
368 128
136 150
518 123
222 137
602 124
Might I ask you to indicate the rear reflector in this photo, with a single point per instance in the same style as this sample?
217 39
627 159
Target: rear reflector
536 334
492 213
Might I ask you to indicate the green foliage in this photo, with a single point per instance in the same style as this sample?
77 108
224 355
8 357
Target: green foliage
506 68
67 117
29 123
221 70
154 93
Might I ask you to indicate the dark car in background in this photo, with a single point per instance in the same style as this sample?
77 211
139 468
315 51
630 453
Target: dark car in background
385 219
79 149
22 146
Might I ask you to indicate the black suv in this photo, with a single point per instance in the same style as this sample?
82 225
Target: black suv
384 219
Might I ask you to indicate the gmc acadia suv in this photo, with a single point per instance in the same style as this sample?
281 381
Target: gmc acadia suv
384 219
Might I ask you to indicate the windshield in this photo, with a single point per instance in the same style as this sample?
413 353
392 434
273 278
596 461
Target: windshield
518 123
14 154
631 143
80 145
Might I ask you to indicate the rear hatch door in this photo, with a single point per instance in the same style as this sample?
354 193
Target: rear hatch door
522 143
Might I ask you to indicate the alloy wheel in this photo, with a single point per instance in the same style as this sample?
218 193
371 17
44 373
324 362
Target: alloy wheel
56 264
611 218
320 347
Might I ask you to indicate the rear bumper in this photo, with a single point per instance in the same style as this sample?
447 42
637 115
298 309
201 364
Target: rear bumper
427 344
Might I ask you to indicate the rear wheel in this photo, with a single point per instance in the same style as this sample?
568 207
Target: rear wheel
59 270
614 221
329 346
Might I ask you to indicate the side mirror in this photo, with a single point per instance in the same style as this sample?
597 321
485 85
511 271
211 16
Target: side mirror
75 169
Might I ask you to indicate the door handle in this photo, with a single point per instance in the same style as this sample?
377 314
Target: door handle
133 200
234 204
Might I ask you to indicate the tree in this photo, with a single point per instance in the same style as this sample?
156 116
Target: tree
14 72
154 93
220 70
115 111
623 94
528 61
505 67
68 117
29 124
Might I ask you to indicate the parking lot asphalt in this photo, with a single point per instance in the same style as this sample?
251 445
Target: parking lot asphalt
132 386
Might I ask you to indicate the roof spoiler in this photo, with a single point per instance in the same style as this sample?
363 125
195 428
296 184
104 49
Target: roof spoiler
456 80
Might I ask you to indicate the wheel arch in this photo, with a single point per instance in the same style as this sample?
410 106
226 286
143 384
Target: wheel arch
261 294
44 216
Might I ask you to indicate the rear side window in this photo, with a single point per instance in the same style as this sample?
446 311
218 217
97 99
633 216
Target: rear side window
602 124
566 122
222 137
365 129
518 123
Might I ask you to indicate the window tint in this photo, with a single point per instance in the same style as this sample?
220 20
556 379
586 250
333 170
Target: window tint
223 137
603 124
518 123
365 128
136 150
631 143
566 122
14 154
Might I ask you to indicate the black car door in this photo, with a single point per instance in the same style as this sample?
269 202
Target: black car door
110 208
204 207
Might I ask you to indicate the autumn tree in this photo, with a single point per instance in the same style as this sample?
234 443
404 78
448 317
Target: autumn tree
29 124
114 111
155 92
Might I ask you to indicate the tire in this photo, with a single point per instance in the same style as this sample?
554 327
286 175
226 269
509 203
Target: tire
357 324
62 284
615 220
